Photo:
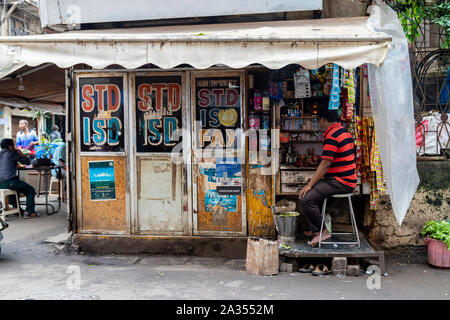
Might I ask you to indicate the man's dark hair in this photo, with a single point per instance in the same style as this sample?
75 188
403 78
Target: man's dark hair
6 143
55 128
329 115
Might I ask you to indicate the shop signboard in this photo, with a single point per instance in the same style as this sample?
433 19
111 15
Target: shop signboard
101 109
158 113
102 180
218 110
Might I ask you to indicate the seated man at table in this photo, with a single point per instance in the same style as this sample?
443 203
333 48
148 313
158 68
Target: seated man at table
9 157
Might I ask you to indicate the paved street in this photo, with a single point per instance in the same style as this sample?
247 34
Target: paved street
32 269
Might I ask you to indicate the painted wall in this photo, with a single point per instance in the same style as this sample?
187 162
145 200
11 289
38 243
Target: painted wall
431 202
55 12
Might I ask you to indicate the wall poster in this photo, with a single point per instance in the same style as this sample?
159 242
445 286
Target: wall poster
102 180
228 176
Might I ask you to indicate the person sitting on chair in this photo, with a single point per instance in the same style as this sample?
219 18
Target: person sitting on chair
336 173
9 157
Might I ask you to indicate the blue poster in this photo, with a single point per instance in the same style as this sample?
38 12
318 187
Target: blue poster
102 180
228 176
212 199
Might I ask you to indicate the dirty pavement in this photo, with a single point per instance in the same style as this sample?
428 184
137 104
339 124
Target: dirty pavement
34 269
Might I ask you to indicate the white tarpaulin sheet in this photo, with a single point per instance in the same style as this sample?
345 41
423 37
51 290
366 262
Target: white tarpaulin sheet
348 42
392 105
53 108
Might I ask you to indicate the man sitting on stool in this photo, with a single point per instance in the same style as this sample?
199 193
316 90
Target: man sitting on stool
9 156
336 173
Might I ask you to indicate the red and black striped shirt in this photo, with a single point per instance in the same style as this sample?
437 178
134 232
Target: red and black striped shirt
338 147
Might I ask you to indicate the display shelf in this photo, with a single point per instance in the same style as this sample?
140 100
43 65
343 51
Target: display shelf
296 183
302 141
303 117
287 194
288 167
302 131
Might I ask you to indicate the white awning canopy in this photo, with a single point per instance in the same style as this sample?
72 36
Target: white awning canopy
348 42
54 108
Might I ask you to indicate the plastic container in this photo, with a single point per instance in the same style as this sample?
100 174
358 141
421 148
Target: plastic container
438 253
265 121
253 121
264 142
39 151
257 100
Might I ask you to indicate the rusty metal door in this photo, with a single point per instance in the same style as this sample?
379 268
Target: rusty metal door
158 118
218 142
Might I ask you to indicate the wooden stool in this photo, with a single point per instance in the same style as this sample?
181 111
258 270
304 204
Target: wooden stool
352 216
4 194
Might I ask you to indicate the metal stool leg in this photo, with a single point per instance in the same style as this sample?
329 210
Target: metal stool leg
39 185
18 204
352 215
324 206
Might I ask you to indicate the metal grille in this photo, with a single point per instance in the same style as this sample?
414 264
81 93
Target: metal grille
430 70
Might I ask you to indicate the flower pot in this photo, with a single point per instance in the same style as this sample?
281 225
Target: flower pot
438 254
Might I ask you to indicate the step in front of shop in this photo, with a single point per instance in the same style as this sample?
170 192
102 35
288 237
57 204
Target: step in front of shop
230 247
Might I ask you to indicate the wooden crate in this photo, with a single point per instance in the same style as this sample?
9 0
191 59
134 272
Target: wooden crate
262 257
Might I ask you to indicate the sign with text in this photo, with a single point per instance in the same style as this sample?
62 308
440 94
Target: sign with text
101 106
158 112
218 109
102 180
228 176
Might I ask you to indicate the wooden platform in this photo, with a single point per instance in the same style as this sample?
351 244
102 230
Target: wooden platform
301 249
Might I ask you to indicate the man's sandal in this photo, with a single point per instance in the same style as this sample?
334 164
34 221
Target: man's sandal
307 268
28 215
321 270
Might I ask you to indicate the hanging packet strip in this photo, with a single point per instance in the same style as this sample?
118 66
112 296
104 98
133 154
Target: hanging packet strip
302 83
275 90
334 95
350 82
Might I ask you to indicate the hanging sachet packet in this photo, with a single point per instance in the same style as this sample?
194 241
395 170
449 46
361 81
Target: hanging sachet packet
334 95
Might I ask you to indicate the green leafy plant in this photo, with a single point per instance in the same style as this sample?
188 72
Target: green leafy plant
411 13
440 14
46 146
439 230
37 114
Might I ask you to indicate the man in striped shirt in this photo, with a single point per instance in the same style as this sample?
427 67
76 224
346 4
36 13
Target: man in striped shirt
336 173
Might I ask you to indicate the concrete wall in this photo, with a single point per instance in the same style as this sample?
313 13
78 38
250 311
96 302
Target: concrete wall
431 202
344 8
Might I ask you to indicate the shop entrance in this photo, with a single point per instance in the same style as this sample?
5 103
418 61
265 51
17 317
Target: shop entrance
218 144
101 109
158 121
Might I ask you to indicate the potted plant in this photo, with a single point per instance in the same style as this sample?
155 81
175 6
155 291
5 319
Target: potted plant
43 153
438 242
